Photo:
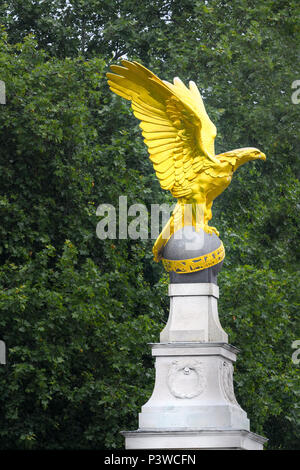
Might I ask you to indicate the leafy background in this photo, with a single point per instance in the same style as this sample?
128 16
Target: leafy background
77 312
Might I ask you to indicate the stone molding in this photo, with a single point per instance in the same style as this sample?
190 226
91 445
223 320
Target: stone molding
193 289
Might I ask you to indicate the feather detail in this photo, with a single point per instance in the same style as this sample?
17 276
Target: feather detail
171 116
162 155
159 135
163 167
159 159
161 148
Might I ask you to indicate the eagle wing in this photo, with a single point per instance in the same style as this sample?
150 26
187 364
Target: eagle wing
174 123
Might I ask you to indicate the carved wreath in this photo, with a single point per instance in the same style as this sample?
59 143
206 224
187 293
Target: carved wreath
186 367
227 381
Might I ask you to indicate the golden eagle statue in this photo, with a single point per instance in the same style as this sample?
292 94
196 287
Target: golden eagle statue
180 140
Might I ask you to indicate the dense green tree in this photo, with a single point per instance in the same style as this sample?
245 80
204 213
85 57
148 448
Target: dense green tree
109 28
74 309
77 312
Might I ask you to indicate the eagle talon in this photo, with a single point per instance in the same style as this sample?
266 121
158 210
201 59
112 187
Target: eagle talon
198 227
210 230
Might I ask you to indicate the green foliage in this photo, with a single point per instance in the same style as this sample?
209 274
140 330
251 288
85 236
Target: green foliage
70 380
74 310
266 380
77 312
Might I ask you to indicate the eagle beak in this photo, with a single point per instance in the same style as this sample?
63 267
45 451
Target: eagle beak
262 156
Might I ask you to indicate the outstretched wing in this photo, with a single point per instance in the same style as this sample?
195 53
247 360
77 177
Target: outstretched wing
176 129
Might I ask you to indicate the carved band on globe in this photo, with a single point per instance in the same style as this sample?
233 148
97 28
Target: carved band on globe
195 264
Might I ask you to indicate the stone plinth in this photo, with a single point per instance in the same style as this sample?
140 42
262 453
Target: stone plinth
193 314
193 389
205 439
193 405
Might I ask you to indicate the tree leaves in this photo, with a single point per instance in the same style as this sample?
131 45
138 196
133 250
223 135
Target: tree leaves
77 312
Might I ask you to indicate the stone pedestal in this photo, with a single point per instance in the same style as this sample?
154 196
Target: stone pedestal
203 439
193 389
193 314
193 405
